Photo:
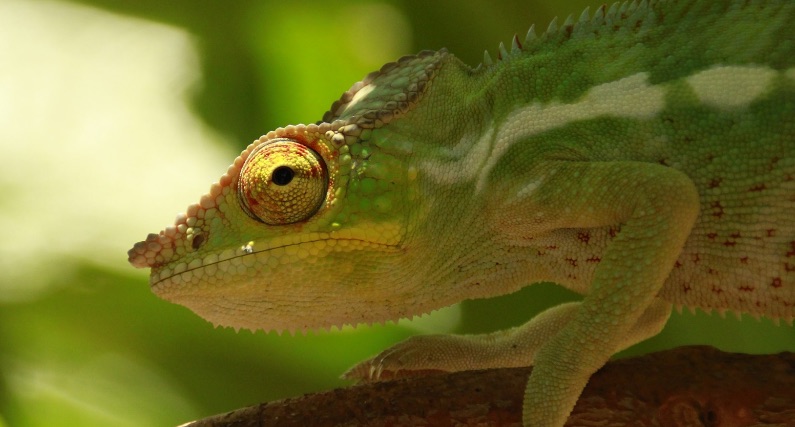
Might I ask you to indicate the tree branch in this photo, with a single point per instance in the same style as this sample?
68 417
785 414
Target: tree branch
687 386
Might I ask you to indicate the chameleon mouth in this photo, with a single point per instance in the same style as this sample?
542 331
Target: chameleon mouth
236 260
278 288
273 283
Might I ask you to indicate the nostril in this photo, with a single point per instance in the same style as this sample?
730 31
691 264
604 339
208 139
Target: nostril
198 241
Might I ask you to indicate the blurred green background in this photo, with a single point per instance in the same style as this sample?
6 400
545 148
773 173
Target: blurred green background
115 115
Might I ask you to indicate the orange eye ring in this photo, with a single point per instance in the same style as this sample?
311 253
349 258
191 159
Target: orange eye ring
282 182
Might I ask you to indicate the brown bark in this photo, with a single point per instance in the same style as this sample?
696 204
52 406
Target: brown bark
688 386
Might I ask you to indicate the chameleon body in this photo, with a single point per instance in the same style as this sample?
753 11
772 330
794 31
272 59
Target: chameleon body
643 156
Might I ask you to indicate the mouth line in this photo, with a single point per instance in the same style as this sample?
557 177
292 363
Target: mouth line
251 251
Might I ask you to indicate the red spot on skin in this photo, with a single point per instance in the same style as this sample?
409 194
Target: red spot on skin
729 243
572 261
686 288
594 259
735 235
677 264
771 232
714 183
789 267
717 209
712 271
717 290
551 247
757 188
746 288
612 232
712 236
584 237
776 283
696 258
744 260
791 253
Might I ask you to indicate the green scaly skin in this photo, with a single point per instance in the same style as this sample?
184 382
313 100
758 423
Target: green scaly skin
644 157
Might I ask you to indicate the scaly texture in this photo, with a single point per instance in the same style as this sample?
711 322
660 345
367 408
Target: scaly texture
643 156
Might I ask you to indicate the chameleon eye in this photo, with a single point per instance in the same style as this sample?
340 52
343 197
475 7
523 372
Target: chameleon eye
282 182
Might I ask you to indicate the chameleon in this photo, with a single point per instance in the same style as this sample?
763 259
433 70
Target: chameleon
642 155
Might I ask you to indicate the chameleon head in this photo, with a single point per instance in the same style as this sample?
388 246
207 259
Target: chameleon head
308 225
269 247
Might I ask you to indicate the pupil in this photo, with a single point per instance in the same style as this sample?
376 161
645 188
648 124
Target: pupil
282 175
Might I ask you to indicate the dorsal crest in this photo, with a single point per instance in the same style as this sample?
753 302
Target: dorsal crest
388 93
